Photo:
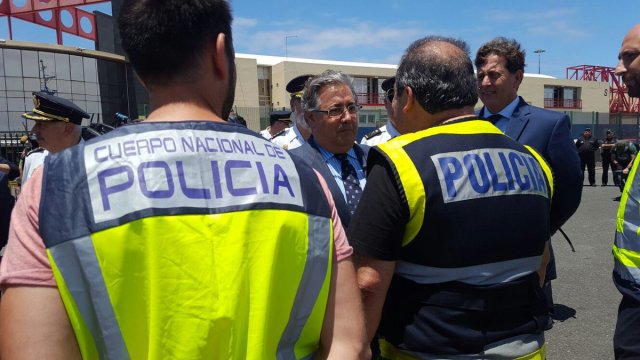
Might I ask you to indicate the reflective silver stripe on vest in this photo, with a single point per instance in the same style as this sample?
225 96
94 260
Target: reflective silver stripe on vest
484 274
511 348
78 264
629 239
313 277
627 272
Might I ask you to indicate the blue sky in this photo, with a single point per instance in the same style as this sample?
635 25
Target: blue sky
571 32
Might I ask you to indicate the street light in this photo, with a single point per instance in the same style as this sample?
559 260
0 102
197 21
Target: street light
286 44
539 51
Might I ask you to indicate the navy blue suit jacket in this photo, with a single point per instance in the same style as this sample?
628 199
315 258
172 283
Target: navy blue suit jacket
549 133
310 154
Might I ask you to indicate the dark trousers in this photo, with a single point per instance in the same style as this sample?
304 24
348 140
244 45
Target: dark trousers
606 164
626 340
588 159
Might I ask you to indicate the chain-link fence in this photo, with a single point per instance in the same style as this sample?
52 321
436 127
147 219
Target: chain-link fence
624 126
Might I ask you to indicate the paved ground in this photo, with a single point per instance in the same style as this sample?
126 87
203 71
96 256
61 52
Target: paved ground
586 299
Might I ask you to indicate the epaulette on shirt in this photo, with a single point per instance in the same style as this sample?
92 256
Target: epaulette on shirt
36 150
372 134
282 132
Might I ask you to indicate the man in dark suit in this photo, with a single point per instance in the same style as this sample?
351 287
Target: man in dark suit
500 70
331 110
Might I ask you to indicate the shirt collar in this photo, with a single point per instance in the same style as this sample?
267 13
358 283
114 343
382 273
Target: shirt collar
506 112
393 132
326 155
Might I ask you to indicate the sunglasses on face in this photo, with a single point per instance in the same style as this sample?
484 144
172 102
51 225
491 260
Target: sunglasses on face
389 94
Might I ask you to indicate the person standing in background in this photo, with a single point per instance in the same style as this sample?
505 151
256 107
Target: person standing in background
605 154
587 145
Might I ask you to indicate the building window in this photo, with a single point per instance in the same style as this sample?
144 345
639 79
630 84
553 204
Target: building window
560 97
264 86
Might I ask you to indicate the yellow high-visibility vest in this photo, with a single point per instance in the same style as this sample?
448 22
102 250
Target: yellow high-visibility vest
188 241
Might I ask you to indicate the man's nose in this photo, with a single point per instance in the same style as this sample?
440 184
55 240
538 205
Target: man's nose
620 68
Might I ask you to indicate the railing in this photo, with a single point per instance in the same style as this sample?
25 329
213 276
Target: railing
562 103
10 146
370 99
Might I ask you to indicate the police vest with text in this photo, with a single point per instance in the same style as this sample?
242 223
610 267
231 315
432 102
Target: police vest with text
188 240
466 279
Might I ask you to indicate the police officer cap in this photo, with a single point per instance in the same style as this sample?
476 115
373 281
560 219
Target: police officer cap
587 129
296 85
609 131
388 84
284 115
48 107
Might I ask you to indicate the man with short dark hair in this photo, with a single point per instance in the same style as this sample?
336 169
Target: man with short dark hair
587 145
440 272
500 70
626 247
183 236
387 131
331 110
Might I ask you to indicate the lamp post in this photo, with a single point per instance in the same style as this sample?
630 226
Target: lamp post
286 44
539 51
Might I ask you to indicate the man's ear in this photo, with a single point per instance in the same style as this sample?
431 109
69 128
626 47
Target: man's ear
220 60
68 128
410 99
309 118
519 76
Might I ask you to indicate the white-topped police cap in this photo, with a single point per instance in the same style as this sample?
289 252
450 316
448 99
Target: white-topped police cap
296 85
388 83
47 107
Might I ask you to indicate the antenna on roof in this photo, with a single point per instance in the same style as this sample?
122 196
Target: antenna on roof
44 79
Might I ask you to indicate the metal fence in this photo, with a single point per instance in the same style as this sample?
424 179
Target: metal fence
10 146
624 126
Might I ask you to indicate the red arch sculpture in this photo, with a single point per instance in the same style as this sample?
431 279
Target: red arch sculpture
33 11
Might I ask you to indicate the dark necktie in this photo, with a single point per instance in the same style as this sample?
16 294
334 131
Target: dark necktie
494 119
352 188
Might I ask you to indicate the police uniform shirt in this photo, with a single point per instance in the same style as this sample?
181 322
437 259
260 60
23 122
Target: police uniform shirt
384 133
32 162
291 139
506 113
265 133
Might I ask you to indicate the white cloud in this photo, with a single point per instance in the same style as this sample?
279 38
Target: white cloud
363 40
241 22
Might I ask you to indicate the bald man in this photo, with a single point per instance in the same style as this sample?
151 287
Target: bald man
626 247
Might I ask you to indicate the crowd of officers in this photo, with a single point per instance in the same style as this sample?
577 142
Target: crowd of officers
189 236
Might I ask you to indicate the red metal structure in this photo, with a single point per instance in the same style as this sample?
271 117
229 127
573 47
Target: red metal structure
54 14
619 100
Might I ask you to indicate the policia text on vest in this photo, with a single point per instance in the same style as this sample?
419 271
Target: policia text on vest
133 182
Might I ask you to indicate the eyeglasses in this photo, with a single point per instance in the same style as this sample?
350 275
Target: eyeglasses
390 94
338 111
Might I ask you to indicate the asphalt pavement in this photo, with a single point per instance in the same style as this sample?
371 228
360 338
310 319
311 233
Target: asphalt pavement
585 296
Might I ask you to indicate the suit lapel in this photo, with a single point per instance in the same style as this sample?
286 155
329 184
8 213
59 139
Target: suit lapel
519 120
318 163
